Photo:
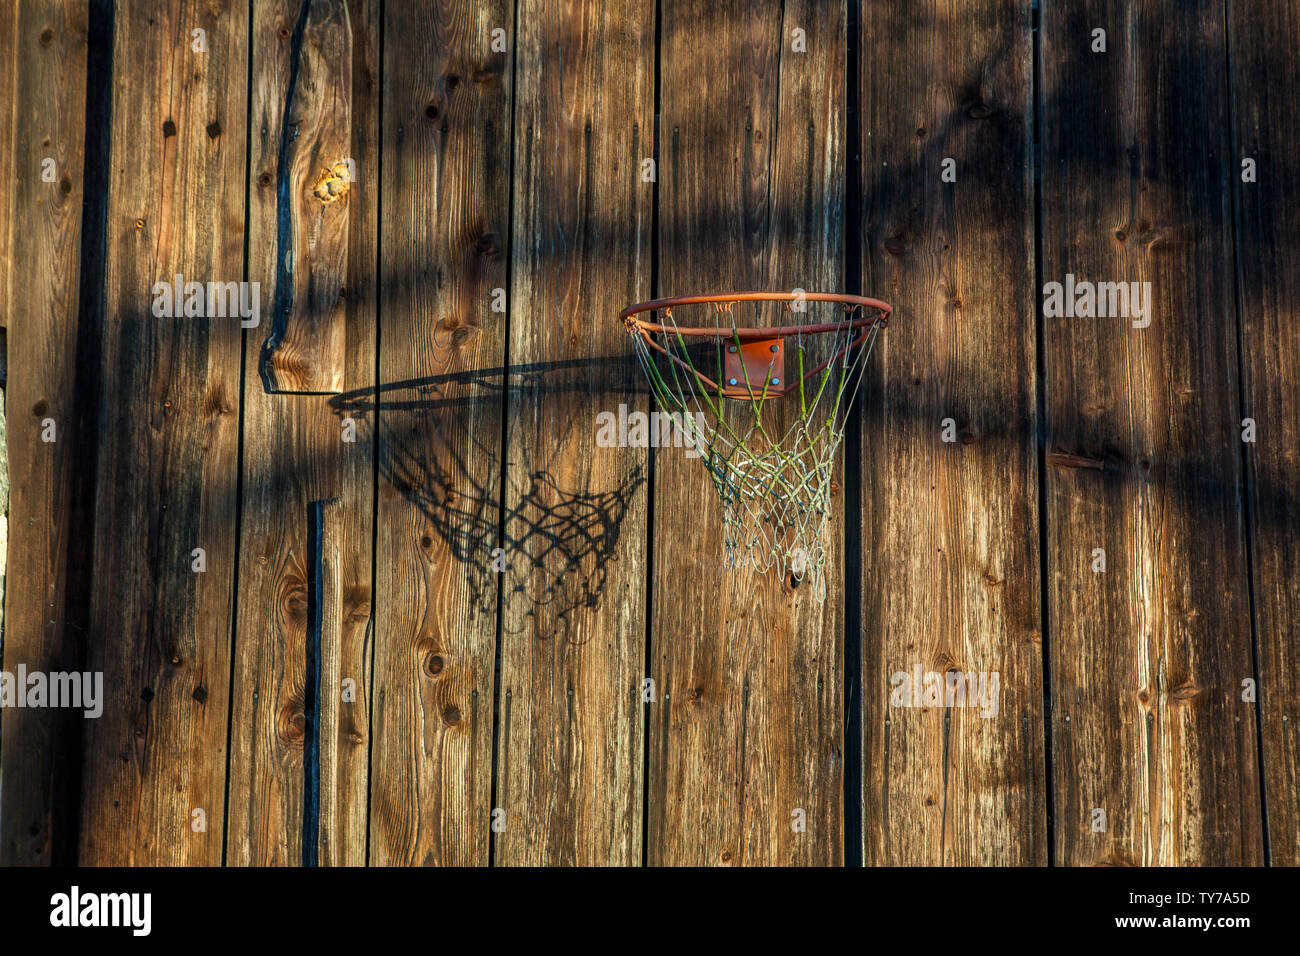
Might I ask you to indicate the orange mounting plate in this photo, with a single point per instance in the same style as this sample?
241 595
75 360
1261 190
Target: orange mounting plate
757 368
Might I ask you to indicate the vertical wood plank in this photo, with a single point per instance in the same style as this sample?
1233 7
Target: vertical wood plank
1266 113
573 617
47 54
950 542
332 846
166 481
8 80
750 724
446 162
1143 455
298 448
304 348
349 832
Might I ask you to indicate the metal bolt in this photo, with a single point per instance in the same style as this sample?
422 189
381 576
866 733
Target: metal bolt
775 348
731 381
731 348
776 381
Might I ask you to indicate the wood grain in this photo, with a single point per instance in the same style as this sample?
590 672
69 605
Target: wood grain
446 167
1147 657
166 481
348 834
300 448
949 538
334 724
750 725
8 129
47 52
1266 127
573 607
304 350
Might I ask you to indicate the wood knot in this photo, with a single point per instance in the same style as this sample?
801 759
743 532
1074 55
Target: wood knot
356 601
215 403
433 665
293 603
293 723
47 36
451 716
214 129
332 184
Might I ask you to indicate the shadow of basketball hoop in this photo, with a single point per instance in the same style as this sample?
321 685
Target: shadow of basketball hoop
439 447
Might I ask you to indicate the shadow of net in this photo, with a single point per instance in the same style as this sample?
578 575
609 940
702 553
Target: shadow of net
439 447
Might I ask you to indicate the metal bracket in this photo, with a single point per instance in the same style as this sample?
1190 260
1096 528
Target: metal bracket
762 361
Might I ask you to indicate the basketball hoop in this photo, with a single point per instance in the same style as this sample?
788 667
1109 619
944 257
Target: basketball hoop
730 387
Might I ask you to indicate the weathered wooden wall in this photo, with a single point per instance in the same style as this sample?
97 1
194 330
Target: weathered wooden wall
749 728
445 212
1265 108
154 778
570 721
43 52
1143 446
314 70
430 602
950 527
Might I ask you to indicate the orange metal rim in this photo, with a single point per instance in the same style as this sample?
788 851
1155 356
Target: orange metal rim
883 310
862 326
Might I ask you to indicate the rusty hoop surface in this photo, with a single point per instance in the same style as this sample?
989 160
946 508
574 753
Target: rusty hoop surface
647 330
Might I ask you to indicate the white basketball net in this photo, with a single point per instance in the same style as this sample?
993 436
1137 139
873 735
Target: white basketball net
772 458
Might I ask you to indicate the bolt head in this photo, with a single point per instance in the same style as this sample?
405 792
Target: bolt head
776 381
731 381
